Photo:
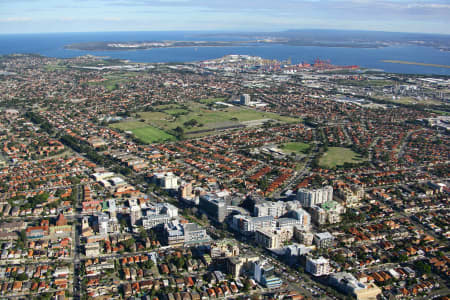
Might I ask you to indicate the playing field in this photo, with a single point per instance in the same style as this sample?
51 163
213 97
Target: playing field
295 147
337 156
144 132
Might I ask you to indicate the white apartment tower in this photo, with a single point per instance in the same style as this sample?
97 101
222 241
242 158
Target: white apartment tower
311 197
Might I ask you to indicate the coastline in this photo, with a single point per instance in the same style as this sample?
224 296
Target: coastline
415 63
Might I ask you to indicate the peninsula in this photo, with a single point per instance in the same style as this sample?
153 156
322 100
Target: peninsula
142 45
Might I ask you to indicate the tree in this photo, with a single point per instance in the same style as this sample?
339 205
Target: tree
22 277
423 267
128 243
179 132
143 233
247 285
402 258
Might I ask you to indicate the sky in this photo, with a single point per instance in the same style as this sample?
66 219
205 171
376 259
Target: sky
39 16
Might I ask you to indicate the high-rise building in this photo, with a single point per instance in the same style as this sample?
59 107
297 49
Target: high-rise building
247 225
167 181
245 99
275 209
185 191
351 195
303 216
103 221
135 211
323 239
214 207
112 208
328 212
318 267
310 197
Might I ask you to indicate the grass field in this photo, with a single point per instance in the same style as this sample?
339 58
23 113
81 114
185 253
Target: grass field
364 82
111 81
54 67
337 156
167 119
144 132
153 126
440 112
410 100
295 147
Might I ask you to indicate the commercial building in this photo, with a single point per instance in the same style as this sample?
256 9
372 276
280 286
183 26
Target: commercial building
348 284
182 234
310 197
92 249
263 273
160 213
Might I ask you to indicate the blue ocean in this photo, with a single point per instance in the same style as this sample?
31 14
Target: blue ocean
52 45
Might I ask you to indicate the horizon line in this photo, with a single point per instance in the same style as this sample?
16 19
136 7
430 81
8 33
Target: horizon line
227 31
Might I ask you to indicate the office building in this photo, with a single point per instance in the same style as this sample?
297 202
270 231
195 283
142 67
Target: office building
194 234
112 208
263 273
